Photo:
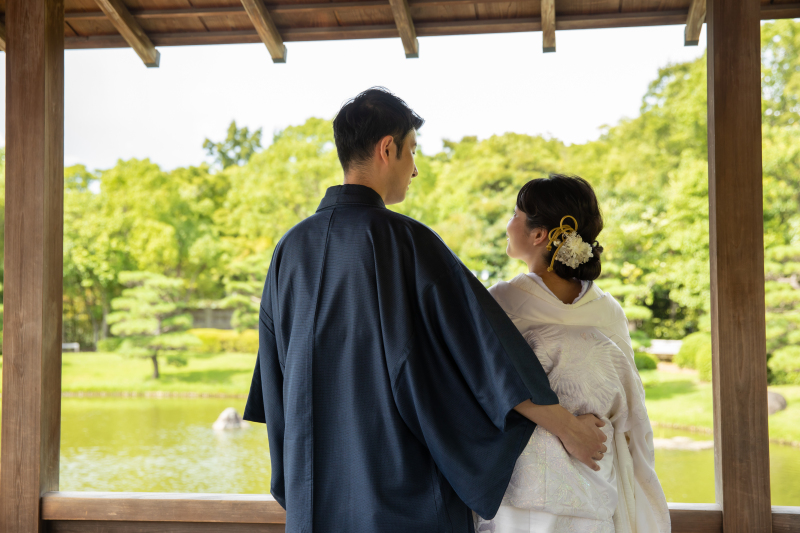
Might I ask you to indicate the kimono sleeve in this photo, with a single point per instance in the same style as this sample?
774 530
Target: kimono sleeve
463 372
265 401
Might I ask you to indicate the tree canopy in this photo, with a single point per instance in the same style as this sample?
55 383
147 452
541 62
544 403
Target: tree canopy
215 226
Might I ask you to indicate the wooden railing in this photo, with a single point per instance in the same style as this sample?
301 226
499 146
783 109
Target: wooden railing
152 512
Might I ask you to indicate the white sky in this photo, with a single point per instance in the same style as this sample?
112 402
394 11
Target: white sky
467 85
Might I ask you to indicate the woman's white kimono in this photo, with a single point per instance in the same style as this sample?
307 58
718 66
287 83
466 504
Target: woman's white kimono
585 349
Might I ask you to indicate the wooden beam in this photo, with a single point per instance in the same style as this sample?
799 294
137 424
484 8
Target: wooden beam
736 231
163 507
266 29
402 17
89 512
33 260
780 11
423 29
785 519
2 37
548 26
694 23
130 30
68 526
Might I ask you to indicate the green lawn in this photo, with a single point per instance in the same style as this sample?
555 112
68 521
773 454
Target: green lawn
671 398
228 373
682 399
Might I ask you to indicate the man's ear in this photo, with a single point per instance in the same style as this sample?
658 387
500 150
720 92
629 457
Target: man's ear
386 148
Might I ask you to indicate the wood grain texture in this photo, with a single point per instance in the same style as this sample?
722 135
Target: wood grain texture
405 26
780 11
67 526
33 260
266 29
694 23
130 30
695 518
548 25
162 507
736 244
785 519
378 12
87 512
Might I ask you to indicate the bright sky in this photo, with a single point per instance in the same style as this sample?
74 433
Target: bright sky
467 85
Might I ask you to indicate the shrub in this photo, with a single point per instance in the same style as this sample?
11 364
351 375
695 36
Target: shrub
227 340
109 344
645 361
247 341
703 362
785 366
692 344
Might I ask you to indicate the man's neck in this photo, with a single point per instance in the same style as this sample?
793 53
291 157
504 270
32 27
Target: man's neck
360 178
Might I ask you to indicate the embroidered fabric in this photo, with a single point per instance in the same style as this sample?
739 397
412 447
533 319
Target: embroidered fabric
592 370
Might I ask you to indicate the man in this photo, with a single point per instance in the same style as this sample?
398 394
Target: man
390 381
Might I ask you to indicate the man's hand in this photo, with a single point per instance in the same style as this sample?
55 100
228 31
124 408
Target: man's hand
581 436
585 440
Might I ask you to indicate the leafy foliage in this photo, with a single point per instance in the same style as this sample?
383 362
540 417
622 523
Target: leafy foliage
215 228
237 148
151 316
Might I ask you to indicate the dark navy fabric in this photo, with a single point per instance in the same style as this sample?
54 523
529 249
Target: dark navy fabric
387 376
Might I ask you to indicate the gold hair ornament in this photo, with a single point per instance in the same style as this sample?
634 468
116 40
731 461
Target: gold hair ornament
570 248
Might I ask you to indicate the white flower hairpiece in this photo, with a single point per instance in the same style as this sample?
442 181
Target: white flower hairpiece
571 249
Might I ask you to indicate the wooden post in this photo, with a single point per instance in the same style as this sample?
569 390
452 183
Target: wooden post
737 266
33 260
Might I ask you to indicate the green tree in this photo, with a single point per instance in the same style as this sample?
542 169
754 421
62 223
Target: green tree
237 148
151 316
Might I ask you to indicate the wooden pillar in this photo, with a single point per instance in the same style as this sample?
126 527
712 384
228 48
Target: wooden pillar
737 266
33 260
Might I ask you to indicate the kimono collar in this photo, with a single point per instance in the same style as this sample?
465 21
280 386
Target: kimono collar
350 195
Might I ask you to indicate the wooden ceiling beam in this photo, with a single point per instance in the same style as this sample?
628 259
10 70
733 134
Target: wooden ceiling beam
694 23
548 26
266 29
768 12
408 34
130 30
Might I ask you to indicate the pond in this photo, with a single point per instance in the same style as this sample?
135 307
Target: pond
167 445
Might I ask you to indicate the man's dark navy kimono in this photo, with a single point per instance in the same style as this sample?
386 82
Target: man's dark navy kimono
387 376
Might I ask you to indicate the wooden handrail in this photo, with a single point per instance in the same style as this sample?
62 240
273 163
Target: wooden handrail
162 507
263 509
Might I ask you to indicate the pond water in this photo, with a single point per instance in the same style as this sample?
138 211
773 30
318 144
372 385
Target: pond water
167 445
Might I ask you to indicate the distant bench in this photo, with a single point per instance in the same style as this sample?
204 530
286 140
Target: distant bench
70 347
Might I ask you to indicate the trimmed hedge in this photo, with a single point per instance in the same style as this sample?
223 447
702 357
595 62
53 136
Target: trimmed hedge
645 361
692 344
785 366
703 362
226 340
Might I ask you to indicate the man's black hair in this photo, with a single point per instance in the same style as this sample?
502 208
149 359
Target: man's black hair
366 119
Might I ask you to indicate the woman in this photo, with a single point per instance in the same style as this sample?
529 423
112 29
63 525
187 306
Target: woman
580 335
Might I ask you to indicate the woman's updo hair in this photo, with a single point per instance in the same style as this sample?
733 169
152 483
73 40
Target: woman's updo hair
546 201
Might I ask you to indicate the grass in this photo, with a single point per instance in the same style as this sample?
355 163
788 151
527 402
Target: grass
228 373
684 400
679 399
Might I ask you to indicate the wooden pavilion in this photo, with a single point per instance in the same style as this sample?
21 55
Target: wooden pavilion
34 35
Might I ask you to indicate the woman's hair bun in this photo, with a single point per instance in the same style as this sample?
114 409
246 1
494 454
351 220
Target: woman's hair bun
545 201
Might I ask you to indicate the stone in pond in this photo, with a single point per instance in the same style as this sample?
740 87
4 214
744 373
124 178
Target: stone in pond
775 402
229 419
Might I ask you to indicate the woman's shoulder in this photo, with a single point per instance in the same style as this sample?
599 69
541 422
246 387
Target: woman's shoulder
508 295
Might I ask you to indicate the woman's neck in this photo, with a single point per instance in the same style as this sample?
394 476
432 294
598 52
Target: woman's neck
566 290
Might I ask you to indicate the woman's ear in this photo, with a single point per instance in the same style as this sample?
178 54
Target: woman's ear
539 236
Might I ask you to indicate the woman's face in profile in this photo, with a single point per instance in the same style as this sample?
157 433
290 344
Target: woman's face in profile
518 235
